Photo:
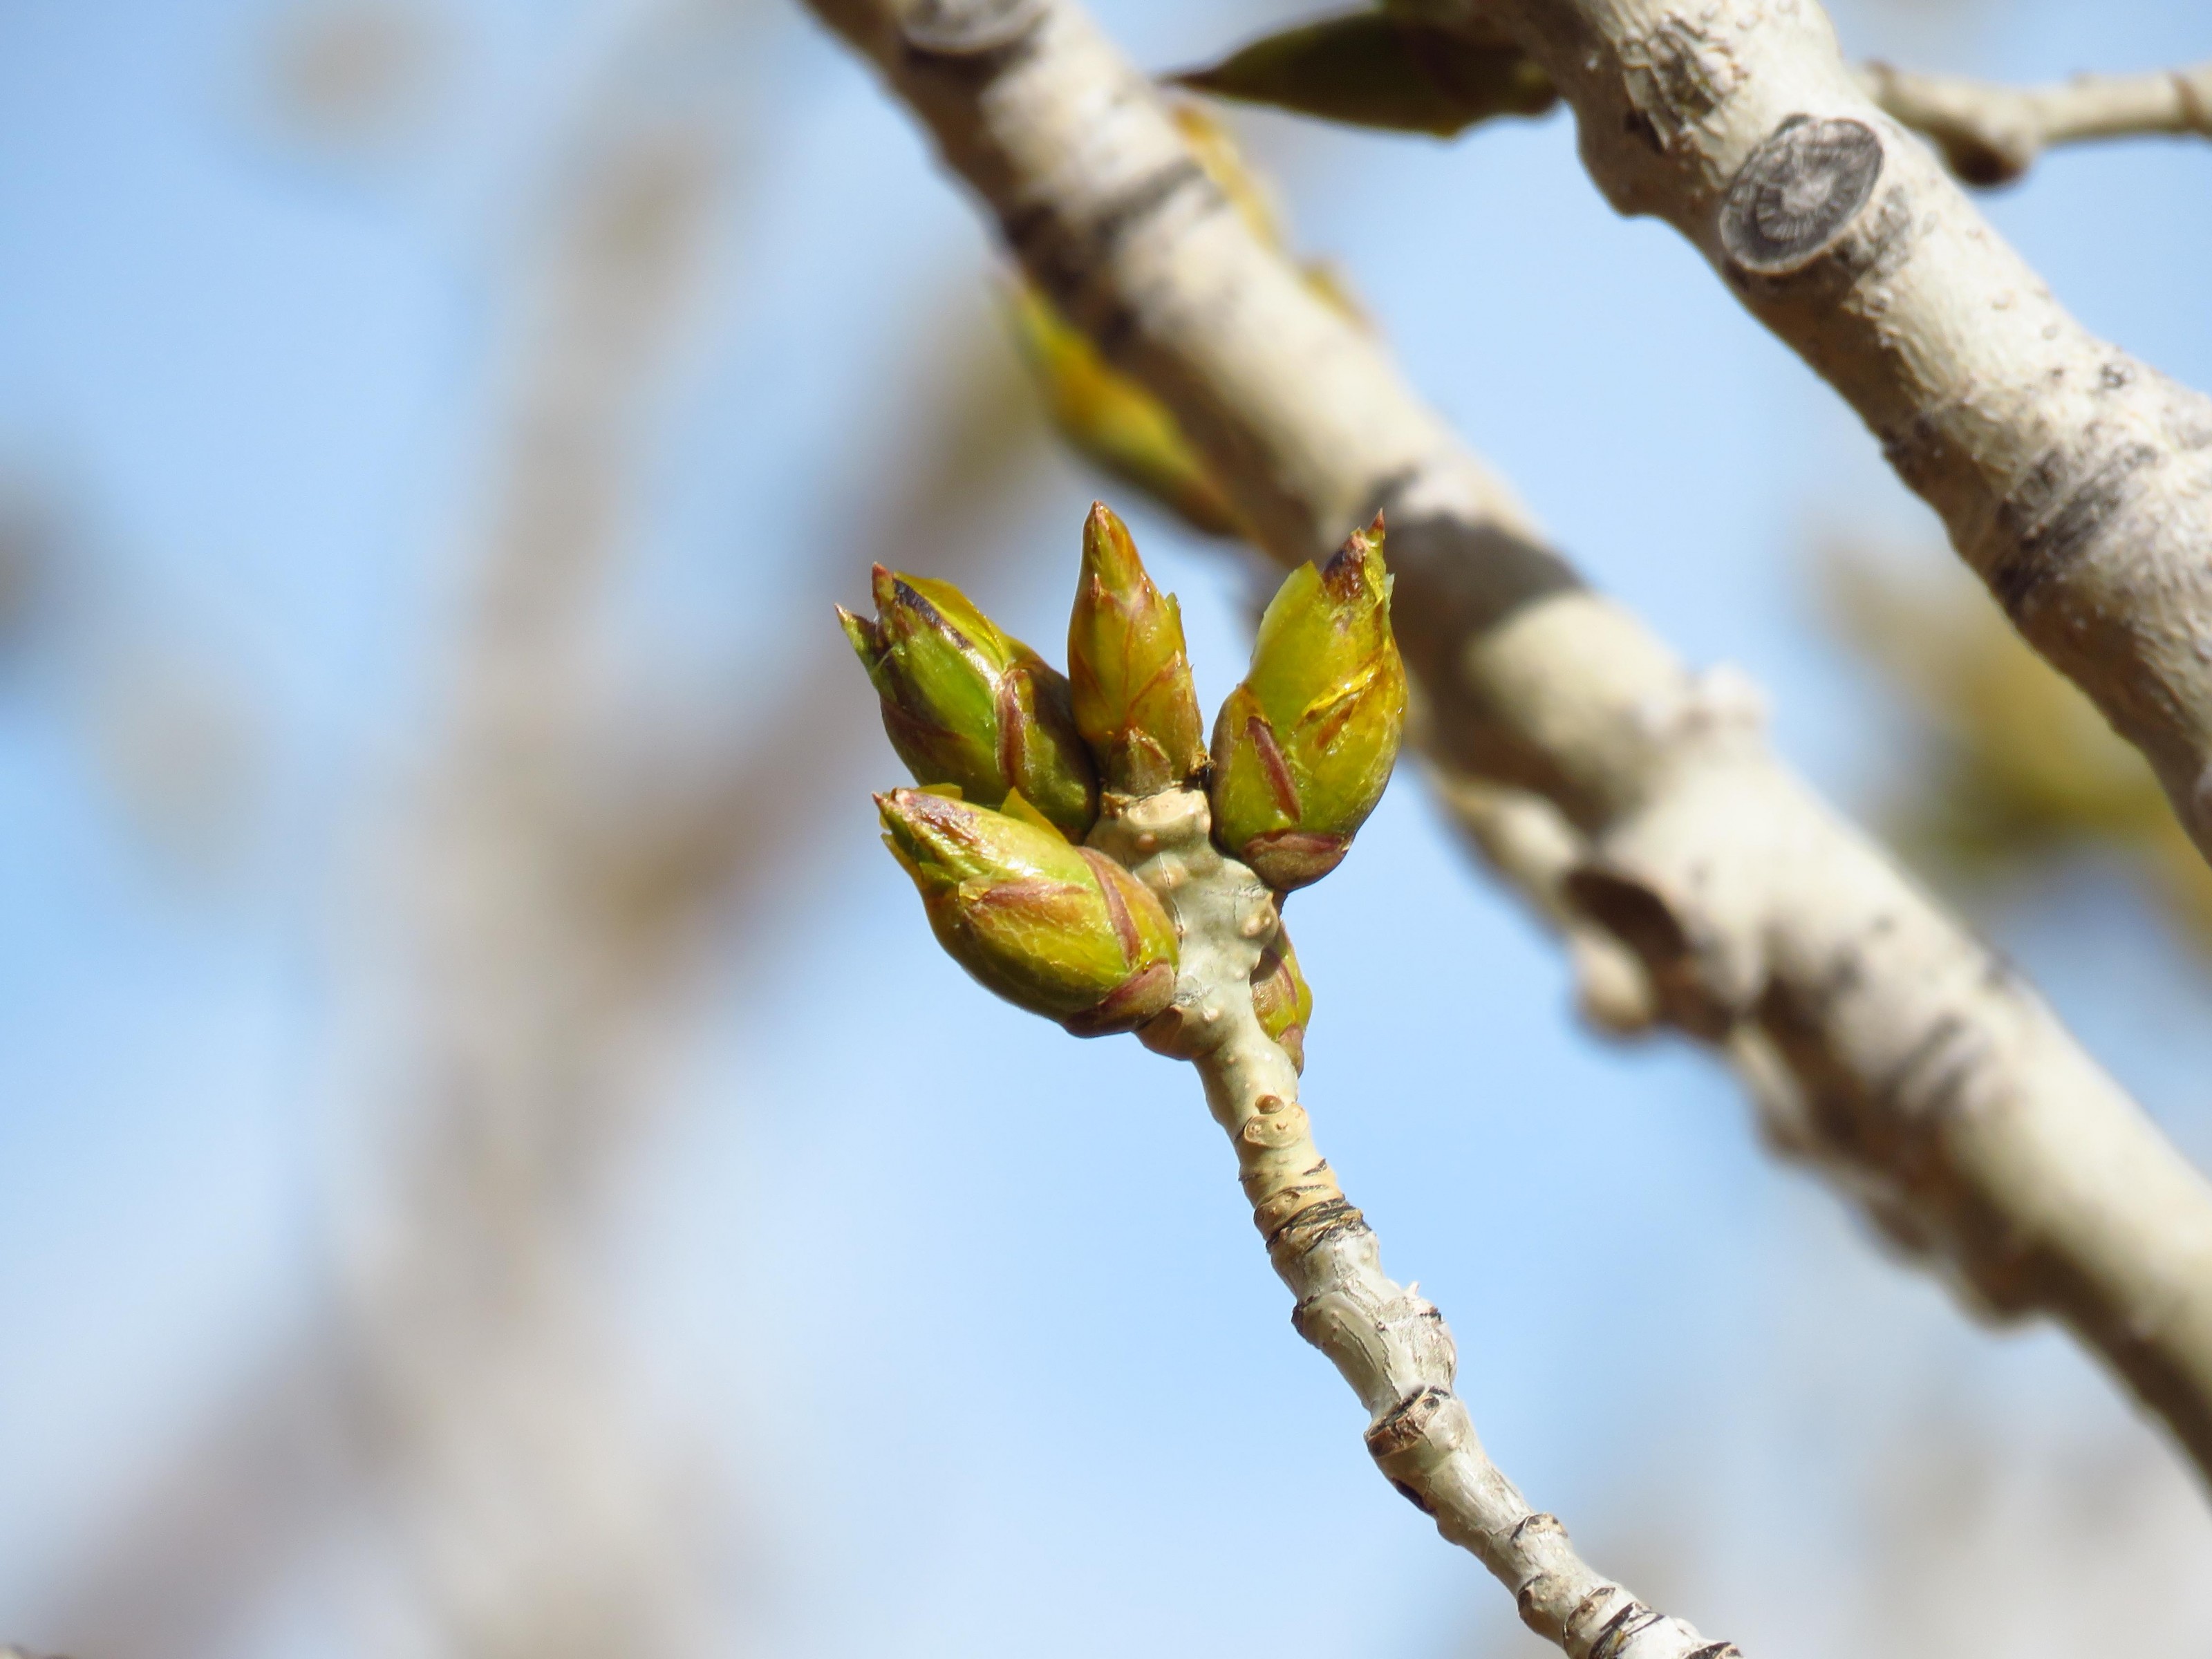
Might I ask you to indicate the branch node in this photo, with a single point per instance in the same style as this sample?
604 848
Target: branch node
1406 1425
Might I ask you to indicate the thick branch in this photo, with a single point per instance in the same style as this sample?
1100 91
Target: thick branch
1881 1038
1990 133
2075 480
1391 1345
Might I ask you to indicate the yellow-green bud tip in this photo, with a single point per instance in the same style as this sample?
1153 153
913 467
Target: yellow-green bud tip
1354 576
1109 555
861 634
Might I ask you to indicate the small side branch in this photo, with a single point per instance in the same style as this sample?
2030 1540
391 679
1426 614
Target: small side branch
1390 1343
1990 133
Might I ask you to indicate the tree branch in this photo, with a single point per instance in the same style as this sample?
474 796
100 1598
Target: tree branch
1991 134
1390 1343
2073 479
1441 66
1879 1036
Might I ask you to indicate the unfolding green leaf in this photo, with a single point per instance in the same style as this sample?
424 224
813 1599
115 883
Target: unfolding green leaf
1371 70
1117 424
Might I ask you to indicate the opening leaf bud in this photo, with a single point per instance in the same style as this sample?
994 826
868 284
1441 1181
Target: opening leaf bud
966 704
1108 417
1281 997
1302 750
1133 700
1060 930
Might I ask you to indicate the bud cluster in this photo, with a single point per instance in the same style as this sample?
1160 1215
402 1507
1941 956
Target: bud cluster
1016 764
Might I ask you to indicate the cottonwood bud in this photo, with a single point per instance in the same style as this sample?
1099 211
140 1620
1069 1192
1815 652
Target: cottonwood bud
1302 748
1135 703
1282 999
966 705
1060 930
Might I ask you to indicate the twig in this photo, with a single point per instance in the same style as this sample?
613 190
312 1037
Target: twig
1880 1036
1990 133
1390 1342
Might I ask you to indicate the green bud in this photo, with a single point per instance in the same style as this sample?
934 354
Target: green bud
1282 999
964 704
1060 930
1303 748
1134 702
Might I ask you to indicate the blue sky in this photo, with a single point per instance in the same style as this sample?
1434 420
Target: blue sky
258 380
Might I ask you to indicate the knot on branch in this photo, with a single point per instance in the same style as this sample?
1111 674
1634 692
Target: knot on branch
1798 194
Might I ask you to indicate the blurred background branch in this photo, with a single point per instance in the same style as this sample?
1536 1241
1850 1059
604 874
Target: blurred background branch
2011 768
573 857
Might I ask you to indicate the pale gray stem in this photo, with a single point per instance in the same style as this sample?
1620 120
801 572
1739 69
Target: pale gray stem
2075 480
1529 842
1990 133
1880 1038
1390 1342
